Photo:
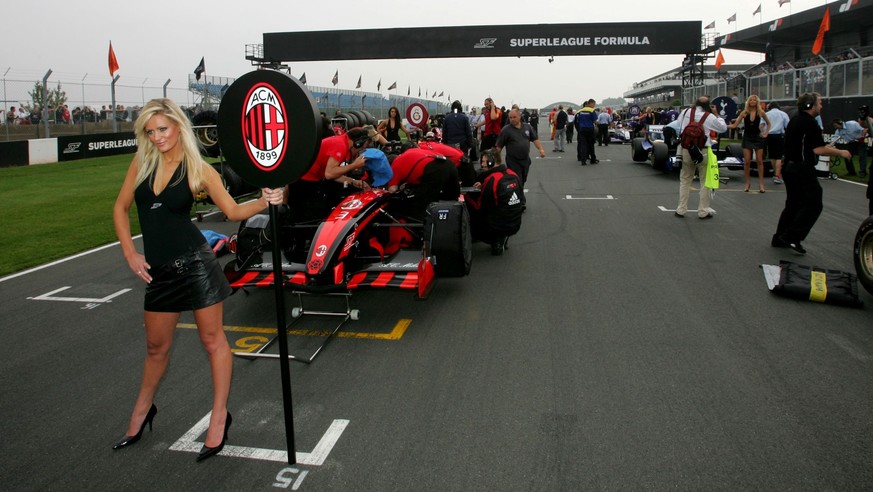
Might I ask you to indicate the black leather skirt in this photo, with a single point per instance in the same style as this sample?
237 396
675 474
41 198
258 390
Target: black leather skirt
191 281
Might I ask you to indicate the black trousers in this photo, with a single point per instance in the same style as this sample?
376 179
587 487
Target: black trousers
803 202
585 146
603 134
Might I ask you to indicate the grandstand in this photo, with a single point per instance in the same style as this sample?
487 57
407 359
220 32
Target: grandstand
842 73
209 91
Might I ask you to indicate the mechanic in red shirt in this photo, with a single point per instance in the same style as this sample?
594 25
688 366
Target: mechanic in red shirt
466 172
424 176
312 196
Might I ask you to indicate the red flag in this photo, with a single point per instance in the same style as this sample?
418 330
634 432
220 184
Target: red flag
113 62
719 60
822 29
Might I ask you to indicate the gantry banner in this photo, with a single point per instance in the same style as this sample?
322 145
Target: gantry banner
632 38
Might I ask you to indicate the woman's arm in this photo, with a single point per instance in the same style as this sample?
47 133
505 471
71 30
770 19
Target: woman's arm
121 219
736 122
766 120
233 210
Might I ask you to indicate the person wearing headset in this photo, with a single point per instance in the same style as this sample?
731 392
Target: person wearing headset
803 200
313 195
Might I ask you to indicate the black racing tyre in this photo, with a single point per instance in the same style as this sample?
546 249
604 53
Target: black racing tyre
207 136
734 150
448 239
232 182
863 254
360 116
351 120
638 153
371 120
660 156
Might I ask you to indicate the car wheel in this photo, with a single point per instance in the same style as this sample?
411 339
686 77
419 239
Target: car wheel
660 156
448 238
638 153
206 130
863 254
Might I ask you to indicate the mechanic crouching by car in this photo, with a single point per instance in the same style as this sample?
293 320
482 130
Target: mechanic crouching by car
422 176
497 207
313 195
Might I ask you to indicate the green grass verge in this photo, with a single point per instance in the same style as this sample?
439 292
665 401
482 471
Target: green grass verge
51 211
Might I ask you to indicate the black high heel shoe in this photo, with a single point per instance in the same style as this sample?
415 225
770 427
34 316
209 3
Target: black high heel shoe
206 451
129 440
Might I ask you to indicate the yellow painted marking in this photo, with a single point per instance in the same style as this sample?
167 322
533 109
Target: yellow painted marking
395 334
249 345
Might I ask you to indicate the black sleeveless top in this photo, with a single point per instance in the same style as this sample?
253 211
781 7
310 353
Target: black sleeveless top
752 127
167 230
392 134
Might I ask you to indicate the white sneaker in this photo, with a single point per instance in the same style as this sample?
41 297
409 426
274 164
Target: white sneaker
710 213
777 180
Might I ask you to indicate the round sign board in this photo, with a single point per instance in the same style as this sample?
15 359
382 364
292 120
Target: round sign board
633 111
726 107
269 128
416 115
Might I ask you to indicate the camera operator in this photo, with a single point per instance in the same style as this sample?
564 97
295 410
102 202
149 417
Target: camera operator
853 135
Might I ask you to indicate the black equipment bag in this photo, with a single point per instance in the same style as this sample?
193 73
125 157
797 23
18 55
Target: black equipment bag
817 284
447 238
506 193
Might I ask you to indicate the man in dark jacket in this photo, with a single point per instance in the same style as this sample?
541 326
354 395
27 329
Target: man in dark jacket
560 129
456 129
585 121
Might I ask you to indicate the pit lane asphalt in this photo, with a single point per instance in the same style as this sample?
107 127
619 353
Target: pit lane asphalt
613 346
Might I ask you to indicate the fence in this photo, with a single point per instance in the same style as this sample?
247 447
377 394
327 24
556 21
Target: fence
90 103
847 75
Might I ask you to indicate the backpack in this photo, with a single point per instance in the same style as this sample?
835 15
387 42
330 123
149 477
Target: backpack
694 135
505 191
251 241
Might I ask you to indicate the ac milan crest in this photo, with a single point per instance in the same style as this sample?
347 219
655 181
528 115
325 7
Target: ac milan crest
264 126
269 128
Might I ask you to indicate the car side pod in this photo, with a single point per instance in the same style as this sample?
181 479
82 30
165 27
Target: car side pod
426 276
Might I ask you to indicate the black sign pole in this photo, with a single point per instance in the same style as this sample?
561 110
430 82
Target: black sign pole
270 130
282 327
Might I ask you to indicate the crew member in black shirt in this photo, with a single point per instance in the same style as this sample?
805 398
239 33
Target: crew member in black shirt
803 202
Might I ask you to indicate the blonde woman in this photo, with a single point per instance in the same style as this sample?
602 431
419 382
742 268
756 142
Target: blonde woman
753 117
180 271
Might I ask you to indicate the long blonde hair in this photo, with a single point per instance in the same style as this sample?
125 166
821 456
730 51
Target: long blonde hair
748 109
150 159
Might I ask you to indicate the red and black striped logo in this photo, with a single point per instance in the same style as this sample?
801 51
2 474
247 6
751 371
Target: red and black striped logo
265 126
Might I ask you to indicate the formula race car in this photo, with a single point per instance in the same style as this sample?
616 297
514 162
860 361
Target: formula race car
364 242
658 147
619 134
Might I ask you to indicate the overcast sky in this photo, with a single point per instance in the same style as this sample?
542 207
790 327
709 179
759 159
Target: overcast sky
156 41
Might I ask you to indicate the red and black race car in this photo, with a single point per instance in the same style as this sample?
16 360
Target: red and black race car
363 243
